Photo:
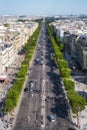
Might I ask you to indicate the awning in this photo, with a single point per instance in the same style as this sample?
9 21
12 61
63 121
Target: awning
3 77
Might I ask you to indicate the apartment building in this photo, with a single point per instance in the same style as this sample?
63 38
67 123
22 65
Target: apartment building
81 51
74 34
16 42
12 39
70 43
76 45
6 55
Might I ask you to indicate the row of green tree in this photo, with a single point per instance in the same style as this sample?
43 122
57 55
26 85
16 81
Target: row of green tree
14 93
77 102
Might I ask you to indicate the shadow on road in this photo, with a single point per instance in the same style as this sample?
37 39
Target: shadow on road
60 106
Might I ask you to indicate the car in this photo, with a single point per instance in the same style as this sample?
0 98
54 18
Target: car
48 97
46 100
30 89
25 89
1 114
37 59
41 63
31 84
51 69
72 73
37 91
41 57
51 118
54 67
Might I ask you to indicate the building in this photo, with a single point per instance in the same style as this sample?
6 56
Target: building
12 39
81 52
70 43
16 42
6 55
73 33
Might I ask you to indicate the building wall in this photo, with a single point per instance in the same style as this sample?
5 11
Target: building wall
6 56
70 42
11 55
84 59
4 59
15 40
77 49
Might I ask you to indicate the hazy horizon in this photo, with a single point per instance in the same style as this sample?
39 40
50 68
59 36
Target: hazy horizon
40 8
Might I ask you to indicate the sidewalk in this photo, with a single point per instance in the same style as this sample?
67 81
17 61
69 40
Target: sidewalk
82 119
7 120
83 114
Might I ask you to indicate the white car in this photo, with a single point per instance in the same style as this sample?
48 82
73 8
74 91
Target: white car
31 84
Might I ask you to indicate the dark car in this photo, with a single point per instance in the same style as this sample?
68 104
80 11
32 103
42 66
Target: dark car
25 89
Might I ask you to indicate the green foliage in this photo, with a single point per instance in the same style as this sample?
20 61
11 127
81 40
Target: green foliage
62 63
25 63
65 72
8 105
77 102
69 84
22 72
61 47
59 55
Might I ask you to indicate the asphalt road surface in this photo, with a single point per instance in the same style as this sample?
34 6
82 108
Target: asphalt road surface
47 97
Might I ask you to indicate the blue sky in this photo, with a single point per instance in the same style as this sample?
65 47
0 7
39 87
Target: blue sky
42 7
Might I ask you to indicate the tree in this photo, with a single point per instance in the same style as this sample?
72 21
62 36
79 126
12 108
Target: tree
77 102
65 72
62 63
69 84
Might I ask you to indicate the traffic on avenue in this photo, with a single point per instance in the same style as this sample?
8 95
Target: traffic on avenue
44 105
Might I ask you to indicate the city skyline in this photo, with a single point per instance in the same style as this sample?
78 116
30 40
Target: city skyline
46 7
